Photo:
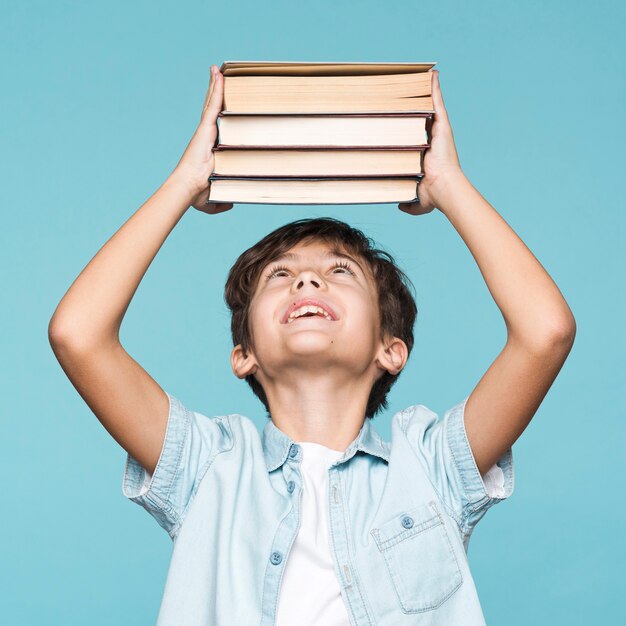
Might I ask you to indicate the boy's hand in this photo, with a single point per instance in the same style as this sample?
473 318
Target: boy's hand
198 162
441 161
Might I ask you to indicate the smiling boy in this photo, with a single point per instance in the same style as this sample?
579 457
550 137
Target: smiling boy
316 323
320 520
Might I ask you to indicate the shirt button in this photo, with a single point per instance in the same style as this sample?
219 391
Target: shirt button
407 521
291 486
295 448
276 558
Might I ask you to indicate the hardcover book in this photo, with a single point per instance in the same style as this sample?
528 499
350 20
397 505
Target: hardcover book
314 87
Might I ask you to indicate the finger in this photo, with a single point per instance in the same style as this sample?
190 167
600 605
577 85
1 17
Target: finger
440 109
214 106
210 89
217 207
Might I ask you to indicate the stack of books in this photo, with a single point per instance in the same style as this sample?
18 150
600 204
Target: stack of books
321 133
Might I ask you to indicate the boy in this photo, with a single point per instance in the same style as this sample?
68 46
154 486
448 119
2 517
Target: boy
320 521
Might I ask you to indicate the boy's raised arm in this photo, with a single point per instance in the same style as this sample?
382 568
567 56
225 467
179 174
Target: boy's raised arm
84 329
540 325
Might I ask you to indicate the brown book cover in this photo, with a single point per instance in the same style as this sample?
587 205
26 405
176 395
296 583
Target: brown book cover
321 68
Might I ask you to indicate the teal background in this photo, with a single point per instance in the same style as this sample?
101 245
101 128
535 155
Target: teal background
98 103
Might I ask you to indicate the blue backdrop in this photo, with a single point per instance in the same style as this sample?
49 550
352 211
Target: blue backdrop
98 102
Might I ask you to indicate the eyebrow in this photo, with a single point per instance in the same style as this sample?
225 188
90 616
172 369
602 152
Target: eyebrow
333 252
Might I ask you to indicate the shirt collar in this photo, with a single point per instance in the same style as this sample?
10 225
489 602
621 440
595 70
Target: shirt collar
276 444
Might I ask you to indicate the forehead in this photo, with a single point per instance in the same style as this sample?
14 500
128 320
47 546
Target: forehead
313 249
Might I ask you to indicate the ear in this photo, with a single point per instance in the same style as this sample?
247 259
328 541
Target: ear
392 355
242 364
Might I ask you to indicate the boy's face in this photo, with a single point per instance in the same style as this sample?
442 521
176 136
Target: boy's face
345 337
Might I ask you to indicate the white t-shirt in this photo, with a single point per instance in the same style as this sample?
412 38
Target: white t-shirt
310 593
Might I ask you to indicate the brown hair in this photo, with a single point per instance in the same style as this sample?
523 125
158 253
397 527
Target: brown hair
396 303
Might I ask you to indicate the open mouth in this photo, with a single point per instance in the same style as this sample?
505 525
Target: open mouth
309 308
309 312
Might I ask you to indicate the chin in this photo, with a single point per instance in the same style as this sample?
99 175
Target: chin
309 343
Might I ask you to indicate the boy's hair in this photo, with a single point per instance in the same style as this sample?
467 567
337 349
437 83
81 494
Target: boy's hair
396 303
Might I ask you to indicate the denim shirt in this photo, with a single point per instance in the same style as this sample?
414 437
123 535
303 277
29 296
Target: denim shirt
401 514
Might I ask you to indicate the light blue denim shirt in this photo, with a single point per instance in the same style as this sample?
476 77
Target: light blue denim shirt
400 518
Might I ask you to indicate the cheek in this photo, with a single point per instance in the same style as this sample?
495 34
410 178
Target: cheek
260 320
365 321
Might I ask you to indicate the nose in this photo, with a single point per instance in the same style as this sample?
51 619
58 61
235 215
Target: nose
307 276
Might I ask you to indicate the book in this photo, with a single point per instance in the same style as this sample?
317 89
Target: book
328 94
348 129
317 162
246 190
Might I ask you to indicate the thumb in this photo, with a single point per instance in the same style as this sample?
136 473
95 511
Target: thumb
214 100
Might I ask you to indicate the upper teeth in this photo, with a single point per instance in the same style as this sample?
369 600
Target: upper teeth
308 309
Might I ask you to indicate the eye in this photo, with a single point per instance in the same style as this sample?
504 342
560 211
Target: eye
343 265
275 271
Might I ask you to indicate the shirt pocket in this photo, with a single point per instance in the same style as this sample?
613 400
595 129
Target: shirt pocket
419 557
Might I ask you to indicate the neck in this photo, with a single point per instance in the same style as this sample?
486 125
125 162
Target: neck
319 407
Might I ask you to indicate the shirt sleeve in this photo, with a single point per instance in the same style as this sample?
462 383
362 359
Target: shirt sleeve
443 447
191 444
